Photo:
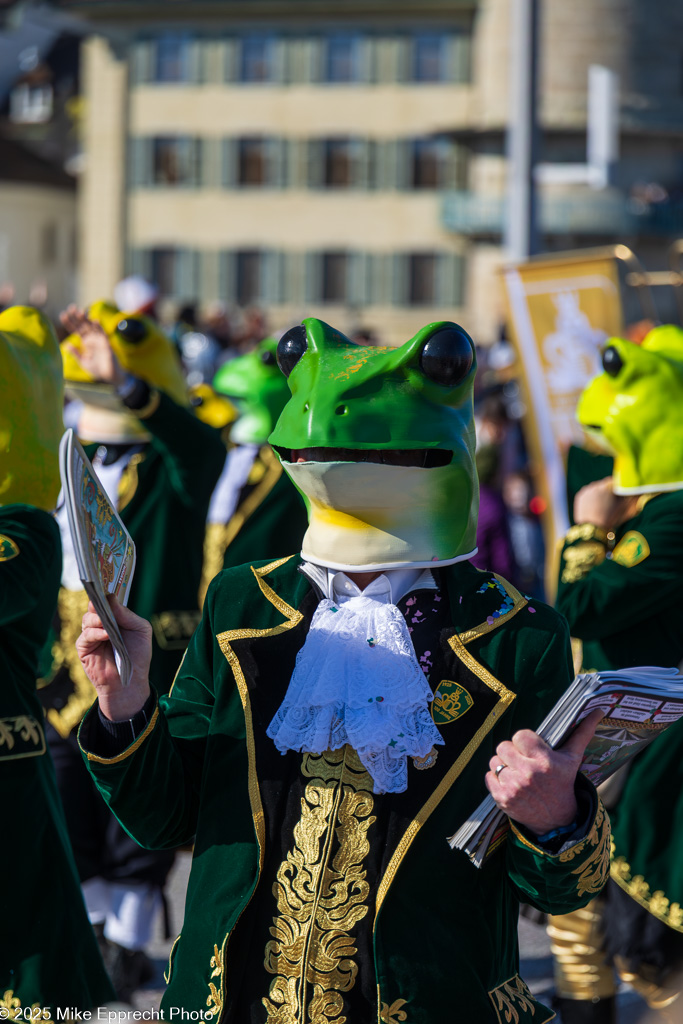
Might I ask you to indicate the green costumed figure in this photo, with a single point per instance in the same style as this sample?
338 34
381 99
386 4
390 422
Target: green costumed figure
341 711
159 463
49 958
621 573
255 510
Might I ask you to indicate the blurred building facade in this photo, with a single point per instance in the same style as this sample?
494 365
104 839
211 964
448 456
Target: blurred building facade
346 159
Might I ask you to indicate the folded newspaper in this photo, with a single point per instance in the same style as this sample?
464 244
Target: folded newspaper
639 704
105 552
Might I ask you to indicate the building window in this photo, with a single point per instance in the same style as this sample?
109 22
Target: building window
252 162
248 277
257 59
430 57
335 277
422 283
339 163
436 163
164 268
48 244
342 58
175 161
31 103
172 58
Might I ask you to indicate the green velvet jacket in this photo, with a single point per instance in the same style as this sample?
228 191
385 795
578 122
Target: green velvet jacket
293 882
626 609
164 496
48 952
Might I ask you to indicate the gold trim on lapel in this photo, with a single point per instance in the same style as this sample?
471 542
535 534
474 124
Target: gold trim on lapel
506 697
220 535
293 618
485 627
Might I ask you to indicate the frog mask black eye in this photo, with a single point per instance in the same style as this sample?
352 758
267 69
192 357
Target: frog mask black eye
447 356
290 348
132 330
611 361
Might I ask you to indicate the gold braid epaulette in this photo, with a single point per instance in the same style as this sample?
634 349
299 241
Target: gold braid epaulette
585 546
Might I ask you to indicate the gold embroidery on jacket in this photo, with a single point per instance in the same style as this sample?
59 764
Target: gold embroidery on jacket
128 484
393 1014
657 903
513 1002
15 1011
594 870
71 607
321 895
581 558
214 1000
21 736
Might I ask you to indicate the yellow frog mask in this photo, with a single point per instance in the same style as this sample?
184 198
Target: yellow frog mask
31 400
634 410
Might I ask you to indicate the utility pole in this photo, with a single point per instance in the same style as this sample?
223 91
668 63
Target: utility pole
521 237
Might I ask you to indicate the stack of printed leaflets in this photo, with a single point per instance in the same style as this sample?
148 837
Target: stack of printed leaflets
105 552
638 703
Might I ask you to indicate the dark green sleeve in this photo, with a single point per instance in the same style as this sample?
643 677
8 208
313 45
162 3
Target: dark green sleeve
30 552
192 450
153 786
600 596
559 883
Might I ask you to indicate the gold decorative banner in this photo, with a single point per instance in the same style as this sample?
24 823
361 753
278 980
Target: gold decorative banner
560 310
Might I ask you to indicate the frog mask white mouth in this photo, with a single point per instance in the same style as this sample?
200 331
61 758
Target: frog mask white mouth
365 515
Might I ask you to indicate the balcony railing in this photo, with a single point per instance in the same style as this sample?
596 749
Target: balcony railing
597 213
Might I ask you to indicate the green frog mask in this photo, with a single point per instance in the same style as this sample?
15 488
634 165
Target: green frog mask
634 409
380 442
258 389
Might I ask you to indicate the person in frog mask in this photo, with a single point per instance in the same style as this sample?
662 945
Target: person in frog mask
159 463
339 713
620 580
48 951
255 509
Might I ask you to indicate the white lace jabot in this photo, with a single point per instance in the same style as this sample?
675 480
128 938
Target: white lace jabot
357 679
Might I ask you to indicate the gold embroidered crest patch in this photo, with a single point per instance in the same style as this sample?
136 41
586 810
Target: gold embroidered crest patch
451 701
8 548
631 549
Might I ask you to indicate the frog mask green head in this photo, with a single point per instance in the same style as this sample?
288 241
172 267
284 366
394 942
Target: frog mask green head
634 409
380 442
258 389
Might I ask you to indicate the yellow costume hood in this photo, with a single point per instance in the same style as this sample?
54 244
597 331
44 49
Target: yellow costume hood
31 401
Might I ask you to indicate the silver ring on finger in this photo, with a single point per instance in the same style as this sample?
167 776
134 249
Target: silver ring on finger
499 769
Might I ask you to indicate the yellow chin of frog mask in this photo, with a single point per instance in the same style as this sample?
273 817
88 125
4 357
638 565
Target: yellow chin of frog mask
31 400
142 350
634 409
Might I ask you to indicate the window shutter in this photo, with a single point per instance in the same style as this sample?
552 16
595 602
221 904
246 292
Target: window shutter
231 59
398 283
455 160
195 57
272 278
210 162
312 52
187 274
359 279
141 61
139 261
195 162
140 162
450 281
385 157
297 163
403 163
313 277
315 163
229 163
227 275
277 157
460 57
279 61
367 46
208 276
403 58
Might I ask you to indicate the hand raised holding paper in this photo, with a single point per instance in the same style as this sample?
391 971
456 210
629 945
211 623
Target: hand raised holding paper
97 655
536 785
